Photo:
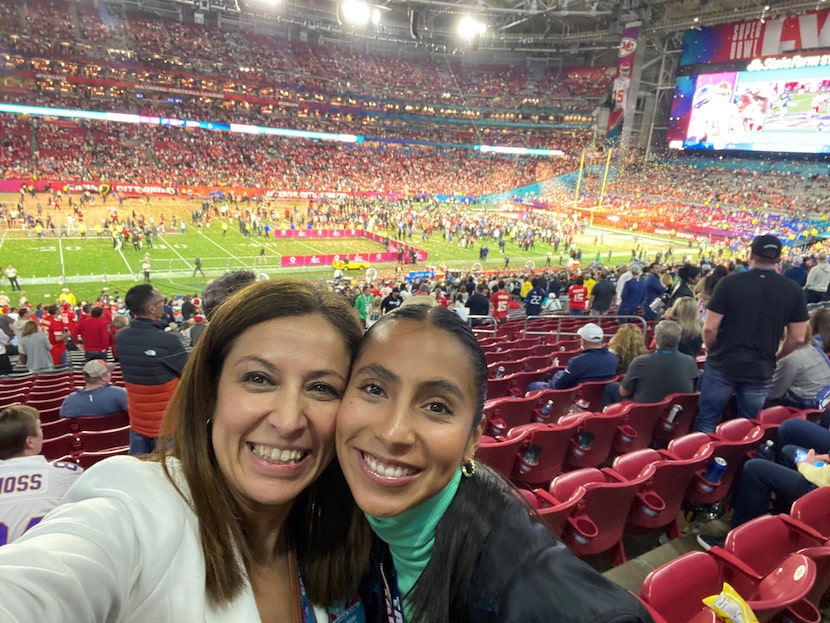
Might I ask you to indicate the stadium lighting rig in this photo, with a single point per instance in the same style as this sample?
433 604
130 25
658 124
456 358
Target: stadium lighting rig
470 27
358 13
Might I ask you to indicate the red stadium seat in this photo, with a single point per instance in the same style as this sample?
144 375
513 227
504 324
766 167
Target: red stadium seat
590 393
101 422
812 511
505 413
681 423
659 502
556 512
57 428
500 453
676 590
591 443
563 400
548 443
637 428
96 441
766 541
59 446
598 522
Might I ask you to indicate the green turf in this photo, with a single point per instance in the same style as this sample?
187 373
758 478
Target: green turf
87 265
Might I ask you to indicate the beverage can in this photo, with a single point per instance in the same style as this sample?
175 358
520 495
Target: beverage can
715 470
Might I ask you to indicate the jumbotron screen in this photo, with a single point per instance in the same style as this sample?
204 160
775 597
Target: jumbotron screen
774 105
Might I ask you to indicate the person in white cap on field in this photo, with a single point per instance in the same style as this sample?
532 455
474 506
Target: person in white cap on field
596 363
98 397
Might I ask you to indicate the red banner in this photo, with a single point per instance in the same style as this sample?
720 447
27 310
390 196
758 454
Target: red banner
327 259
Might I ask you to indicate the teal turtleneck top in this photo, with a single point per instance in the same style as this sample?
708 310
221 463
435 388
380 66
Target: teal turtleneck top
411 535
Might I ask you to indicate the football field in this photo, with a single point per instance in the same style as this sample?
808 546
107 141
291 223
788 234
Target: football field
87 265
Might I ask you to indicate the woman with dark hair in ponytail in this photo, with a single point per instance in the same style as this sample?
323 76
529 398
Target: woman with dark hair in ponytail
454 542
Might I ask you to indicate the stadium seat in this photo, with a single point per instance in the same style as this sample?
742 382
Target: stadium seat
637 428
548 443
591 443
57 428
812 511
563 400
500 453
505 413
57 447
96 441
589 394
659 502
556 512
771 418
88 459
665 431
598 521
100 422
764 542
8 400
676 590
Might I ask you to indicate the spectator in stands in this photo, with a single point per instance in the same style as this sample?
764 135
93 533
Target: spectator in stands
686 279
577 297
633 294
535 297
500 303
243 500
799 376
820 327
98 396
118 323
392 301
478 304
603 295
215 293
57 331
766 485
407 432
627 344
652 377
818 280
32 486
797 271
685 313
24 315
654 289
151 364
37 348
596 363
362 303
742 340
94 332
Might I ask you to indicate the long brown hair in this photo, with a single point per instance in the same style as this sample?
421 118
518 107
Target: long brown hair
328 532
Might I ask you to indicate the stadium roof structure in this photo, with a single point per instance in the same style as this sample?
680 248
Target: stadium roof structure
512 25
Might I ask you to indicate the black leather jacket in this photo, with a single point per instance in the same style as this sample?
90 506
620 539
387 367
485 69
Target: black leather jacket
523 575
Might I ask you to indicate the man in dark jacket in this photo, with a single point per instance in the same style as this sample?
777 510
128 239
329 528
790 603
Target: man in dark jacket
151 364
596 363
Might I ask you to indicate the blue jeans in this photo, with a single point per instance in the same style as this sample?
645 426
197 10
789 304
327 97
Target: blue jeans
576 312
716 388
141 444
90 355
759 480
623 311
803 434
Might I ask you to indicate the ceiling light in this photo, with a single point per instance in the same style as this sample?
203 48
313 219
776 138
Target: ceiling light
469 27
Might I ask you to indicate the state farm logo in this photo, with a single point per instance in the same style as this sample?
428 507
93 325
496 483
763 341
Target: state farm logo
628 46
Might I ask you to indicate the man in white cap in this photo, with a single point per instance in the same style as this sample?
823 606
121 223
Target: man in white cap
596 363
97 397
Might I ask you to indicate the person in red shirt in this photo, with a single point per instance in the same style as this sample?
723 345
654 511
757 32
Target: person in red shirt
500 303
94 332
577 297
56 331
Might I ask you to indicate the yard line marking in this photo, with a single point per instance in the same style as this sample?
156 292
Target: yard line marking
3 239
60 250
129 268
172 248
226 251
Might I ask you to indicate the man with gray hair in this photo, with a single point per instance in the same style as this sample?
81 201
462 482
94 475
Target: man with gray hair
215 293
652 377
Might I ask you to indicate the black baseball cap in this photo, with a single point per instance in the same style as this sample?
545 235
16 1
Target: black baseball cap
767 247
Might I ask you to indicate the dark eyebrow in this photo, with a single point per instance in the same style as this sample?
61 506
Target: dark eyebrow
270 367
436 386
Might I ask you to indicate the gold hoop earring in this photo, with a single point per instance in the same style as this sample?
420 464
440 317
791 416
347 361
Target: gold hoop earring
468 468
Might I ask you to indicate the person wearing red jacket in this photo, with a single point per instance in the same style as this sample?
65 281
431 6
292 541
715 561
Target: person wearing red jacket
57 331
94 332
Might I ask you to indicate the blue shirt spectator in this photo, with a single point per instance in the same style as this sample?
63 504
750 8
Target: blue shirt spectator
97 397
596 363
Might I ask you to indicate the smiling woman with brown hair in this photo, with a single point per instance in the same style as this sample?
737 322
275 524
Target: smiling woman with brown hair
244 514
454 541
